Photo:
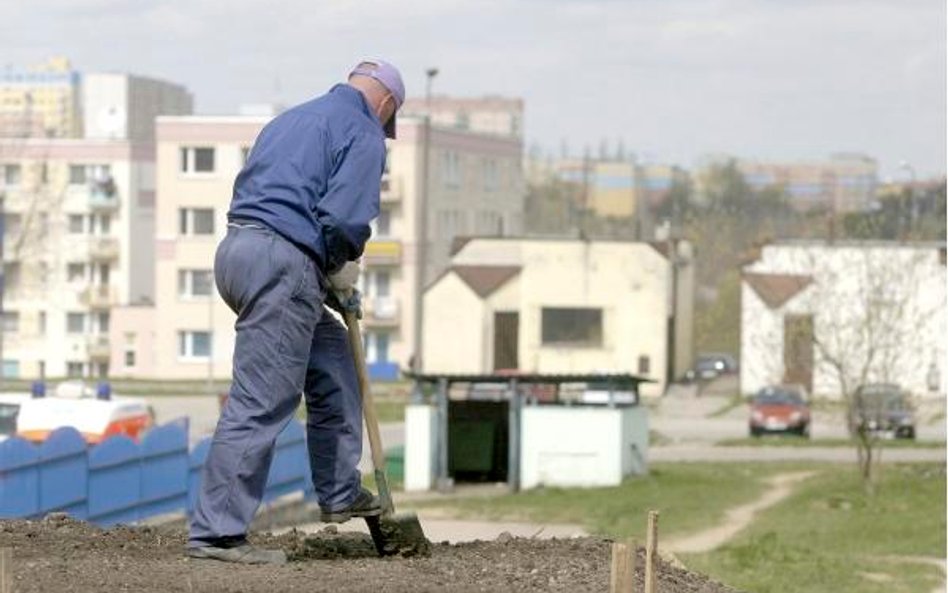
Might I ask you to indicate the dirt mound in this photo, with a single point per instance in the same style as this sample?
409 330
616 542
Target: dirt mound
59 554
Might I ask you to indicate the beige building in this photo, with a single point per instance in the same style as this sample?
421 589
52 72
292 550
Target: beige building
500 116
76 212
474 187
562 306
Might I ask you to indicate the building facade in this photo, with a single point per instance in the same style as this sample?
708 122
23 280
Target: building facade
563 306
497 116
842 183
832 316
78 218
41 101
474 186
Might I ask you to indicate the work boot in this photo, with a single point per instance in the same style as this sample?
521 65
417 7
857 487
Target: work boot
243 553
365 504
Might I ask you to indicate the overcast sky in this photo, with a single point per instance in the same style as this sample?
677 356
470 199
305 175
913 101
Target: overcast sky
671 79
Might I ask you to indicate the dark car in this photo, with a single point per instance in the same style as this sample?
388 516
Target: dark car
780 409
711 366
883 408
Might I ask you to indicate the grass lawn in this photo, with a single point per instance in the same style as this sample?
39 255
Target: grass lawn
690 496
831 536
795 441
387 410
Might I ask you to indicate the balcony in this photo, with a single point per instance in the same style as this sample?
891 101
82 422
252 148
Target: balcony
381 311
103 196
383 253
104 249
391 189
98 348
98 297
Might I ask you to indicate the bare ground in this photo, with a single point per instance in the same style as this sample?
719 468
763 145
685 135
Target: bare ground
63 555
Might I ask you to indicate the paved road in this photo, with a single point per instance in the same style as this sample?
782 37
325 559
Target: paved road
690 424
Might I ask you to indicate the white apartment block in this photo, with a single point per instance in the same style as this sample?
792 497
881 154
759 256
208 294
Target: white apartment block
125 106
492 115
474 187
79 217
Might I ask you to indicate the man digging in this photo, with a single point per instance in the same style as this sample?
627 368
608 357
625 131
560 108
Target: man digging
298 221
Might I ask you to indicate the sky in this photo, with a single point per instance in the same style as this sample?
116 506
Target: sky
672 80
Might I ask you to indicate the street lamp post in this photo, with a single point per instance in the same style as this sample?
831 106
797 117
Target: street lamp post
421 220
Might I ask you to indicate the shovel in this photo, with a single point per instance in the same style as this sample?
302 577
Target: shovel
392 534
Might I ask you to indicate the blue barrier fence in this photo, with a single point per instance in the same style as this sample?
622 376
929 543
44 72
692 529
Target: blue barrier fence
121 481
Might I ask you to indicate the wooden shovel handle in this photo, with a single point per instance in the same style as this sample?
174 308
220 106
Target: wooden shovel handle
368 404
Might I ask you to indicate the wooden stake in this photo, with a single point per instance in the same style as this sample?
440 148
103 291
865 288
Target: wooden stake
623 567
651 553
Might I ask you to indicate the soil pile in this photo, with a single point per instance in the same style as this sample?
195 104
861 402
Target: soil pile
60 554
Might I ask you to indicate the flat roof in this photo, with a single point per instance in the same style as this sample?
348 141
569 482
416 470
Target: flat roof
616 378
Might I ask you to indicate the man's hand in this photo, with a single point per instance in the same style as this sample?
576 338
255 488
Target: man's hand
343 301
343 295
345 278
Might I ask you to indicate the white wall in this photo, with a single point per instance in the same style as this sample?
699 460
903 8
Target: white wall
579 446
850 281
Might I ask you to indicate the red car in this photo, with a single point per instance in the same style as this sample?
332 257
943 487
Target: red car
780 409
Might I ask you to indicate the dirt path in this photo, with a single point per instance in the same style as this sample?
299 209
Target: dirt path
780 487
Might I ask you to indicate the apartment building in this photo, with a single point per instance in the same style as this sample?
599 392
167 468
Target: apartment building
474 187
41 101
500 116
844 182
78 217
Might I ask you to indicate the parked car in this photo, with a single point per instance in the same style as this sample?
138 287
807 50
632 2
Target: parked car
711 365
780 409
883 408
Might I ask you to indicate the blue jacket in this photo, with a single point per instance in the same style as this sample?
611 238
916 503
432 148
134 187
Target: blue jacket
313 177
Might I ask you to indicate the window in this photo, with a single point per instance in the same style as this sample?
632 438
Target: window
75 272
74 369
194 344
382 284
11 278
376 346
491 178
12 223
194 283
77 174
76 323
644 364
11 322
100 224
77 224
10 174
383 224
450 169
42 323
129 359
196 221
11 369
197 159
580 327
102 323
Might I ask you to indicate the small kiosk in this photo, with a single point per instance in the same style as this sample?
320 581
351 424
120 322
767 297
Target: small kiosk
525 430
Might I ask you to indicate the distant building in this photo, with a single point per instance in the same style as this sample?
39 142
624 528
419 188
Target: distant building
562 306
41 101
842 183
474 186
809 308
116 106
499 116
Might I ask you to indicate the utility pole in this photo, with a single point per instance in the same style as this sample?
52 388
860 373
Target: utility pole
421 221
3 328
